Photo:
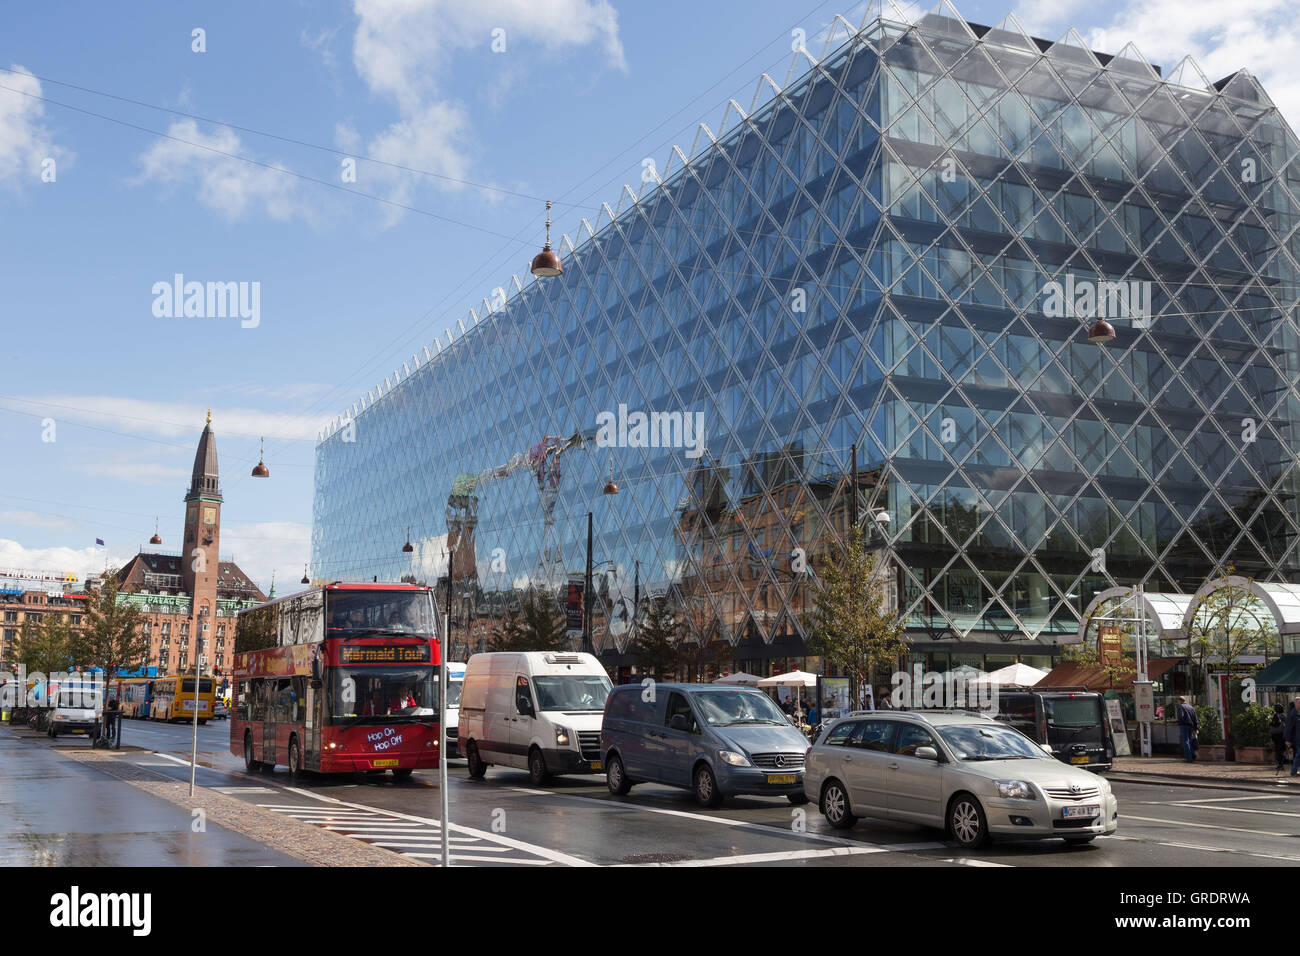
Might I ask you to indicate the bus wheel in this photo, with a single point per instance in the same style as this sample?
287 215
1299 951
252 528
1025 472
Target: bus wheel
203 721
403 773
249 763
477 768
295 757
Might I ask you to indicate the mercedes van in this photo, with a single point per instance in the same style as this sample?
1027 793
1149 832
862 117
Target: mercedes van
1070 722
538 711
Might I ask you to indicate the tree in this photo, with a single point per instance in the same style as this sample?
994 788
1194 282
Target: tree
657 644
45 646
535 627
850 623
112 637
1228 625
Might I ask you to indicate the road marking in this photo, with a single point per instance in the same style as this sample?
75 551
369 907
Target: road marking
478 859
774 857
1206 826
236 790
552 855
966 861
1183 803
1196 846
1275 813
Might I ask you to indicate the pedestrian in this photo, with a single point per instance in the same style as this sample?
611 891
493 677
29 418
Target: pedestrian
1188 725
1278 734
1291 730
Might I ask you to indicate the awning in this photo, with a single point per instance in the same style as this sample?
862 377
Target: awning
1283 672
1072 674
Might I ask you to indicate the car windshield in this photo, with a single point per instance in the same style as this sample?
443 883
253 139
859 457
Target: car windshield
989 742
366 695
384 612
578 692
725 707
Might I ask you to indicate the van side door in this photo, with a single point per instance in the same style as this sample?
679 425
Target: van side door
523 717
678 740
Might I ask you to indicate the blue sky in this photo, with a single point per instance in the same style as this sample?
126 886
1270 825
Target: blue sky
350 286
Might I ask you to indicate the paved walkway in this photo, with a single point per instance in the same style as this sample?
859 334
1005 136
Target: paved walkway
1246 774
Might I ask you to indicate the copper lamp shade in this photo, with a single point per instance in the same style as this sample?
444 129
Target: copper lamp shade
408 547
546 263
305 579
260 470
1101 332
155 540
611 488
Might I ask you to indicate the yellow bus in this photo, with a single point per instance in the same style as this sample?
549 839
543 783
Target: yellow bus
173 698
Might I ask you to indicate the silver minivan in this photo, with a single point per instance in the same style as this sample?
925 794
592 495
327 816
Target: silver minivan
717 741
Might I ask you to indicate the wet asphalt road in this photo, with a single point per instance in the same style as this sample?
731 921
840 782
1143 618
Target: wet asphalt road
504 820
56 812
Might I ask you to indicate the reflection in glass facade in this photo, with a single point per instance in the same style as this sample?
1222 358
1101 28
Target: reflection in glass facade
869 259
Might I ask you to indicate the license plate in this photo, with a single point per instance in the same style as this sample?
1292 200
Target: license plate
1083 759
596 765
1087 810
383 763
780 778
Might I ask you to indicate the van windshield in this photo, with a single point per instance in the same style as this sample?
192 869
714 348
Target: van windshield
721 708
576 692
1073 719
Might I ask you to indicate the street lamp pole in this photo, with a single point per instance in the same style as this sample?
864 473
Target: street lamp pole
586 596
853 491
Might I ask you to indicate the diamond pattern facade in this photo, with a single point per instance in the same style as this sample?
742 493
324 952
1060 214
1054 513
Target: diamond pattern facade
903 249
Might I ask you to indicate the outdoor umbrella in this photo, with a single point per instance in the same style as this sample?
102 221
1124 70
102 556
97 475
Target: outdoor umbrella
1014 675
740 677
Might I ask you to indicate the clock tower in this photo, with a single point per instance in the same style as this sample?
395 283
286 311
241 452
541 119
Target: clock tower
200 561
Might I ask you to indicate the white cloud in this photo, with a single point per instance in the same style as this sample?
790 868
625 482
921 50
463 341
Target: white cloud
403 49
25 142
262 547
1261 36
231 187
169 419
83 561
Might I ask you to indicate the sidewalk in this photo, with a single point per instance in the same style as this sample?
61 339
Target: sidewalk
1177 770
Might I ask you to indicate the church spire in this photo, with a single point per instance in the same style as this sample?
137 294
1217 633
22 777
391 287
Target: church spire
204 477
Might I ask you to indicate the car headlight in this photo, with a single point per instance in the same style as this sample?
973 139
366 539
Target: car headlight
733 758
1014 790
562 736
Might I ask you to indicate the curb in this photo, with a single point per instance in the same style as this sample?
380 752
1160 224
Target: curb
1202 783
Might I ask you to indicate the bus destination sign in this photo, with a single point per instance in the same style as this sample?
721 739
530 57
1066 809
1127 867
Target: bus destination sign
384 654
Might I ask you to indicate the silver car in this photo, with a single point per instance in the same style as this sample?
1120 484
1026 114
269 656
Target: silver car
965 773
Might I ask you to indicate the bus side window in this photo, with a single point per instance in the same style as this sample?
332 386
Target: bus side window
245 693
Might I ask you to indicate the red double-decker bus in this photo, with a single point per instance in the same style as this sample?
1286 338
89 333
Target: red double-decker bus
339 679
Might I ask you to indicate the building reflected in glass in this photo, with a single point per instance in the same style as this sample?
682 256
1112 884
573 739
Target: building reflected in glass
902 250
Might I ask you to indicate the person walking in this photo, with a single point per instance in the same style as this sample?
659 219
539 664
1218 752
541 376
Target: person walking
1291 730
1278 736
1188 725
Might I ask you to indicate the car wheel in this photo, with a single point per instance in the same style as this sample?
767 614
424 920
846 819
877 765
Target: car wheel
537 771
403 773
706 787
966 822
798 799
477 768
250 764
295 757
835 806
1080 840
616 777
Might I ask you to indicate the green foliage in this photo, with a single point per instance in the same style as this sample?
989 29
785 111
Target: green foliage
537 626
45 647
1250 726
657 644
112 637
851 624
1209 732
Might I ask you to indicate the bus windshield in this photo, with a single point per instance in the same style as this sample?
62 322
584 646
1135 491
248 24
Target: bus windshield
205 685
361 695
384 612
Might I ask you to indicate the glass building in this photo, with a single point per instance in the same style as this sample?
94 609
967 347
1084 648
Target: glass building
903 250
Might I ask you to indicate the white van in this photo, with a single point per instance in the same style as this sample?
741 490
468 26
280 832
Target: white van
77 706
538 711
455 679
